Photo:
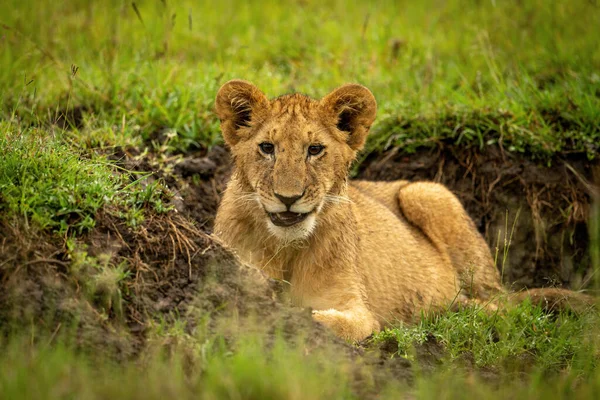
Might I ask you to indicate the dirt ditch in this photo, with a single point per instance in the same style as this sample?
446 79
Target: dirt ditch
176 271
533 216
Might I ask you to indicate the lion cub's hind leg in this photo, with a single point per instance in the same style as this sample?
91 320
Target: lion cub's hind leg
440 215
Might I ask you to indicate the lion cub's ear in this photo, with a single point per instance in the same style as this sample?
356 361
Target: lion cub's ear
353 108
238 105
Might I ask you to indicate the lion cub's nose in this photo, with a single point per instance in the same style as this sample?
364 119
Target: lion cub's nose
288 201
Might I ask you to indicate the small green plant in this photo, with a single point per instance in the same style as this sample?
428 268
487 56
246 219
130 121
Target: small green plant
144 197
102 279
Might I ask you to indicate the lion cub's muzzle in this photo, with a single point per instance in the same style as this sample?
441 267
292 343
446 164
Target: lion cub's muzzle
287 218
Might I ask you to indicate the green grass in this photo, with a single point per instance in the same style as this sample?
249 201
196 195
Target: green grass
525 75
554 341
477 71
42 180
50 184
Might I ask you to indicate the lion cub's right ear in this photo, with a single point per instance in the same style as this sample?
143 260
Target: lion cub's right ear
353 108
239 104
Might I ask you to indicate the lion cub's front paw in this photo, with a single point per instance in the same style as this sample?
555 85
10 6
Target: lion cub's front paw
346 324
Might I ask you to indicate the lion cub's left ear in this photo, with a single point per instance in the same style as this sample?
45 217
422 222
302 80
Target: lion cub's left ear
238 105
353 109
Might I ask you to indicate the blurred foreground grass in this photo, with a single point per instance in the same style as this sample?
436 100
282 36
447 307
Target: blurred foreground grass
533 357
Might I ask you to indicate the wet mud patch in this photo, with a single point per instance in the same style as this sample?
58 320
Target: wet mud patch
541 211
205 180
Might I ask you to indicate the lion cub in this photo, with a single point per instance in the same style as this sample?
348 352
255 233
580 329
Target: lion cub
361 254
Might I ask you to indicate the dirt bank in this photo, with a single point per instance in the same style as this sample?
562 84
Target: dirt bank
540 210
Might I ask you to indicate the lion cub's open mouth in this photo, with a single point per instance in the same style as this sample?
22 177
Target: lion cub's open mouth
287 218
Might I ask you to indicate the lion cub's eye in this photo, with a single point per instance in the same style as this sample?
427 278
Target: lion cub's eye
315 149
267 148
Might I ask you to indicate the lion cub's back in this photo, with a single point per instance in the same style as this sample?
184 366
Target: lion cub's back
402 271
385 193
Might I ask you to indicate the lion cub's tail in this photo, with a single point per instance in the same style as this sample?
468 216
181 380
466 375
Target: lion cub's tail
555 300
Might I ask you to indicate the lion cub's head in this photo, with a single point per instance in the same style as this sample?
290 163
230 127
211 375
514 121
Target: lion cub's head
292 153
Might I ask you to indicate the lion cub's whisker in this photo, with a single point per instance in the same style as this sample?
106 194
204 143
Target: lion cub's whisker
337 199
246 198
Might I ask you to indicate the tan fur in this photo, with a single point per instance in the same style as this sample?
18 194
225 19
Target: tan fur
370 253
